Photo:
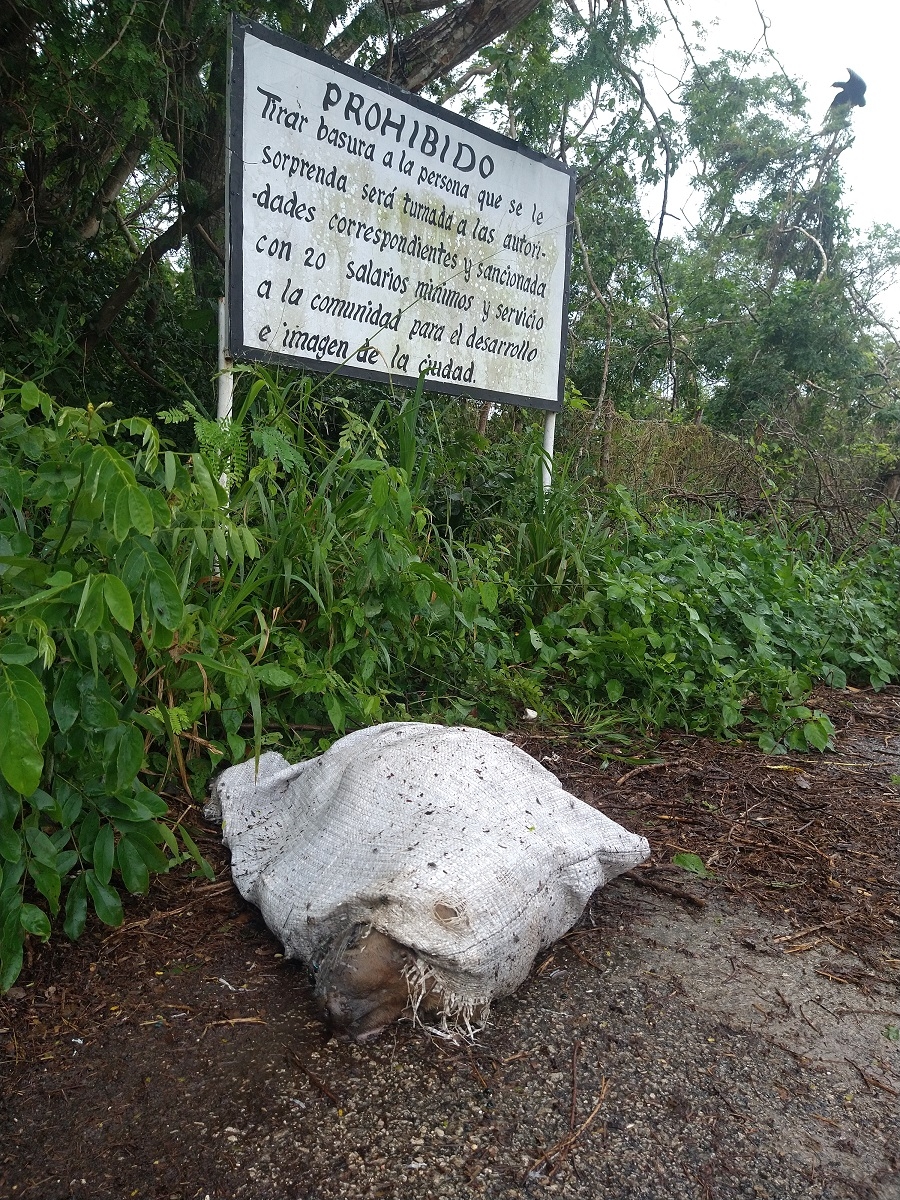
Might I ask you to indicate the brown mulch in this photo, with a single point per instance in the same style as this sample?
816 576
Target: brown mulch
811 838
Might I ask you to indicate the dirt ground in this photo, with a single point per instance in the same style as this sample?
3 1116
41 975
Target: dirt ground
690 1039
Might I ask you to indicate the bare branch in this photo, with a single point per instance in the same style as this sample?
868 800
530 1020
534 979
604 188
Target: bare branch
821 249
687 49
119 174
766 24
126 232
131 217
209 241
638 84
465 80
603 407
112 45
873 316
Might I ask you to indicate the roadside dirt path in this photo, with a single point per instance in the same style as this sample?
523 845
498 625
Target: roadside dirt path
692 1039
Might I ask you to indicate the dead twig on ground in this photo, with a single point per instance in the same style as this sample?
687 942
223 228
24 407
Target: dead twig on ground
667 889
870 1080
314 1079
560 1149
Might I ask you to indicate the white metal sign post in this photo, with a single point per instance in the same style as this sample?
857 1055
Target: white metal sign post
377 235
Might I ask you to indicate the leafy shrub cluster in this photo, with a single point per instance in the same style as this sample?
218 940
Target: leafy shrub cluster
154 627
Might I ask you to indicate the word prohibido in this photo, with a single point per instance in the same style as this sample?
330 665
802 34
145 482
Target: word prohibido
422 136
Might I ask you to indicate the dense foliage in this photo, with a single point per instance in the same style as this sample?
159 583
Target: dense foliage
153 628
176 594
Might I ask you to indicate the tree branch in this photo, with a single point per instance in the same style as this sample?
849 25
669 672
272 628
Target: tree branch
345 44
118 176
823 270
449 40
170 239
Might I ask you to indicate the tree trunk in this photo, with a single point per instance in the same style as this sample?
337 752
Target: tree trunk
204 169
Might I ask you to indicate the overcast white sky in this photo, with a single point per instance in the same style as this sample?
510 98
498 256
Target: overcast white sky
816 42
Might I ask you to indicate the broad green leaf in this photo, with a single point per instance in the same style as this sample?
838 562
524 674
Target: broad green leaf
107 904
12 937
132 867
104 853
129 757
86 834
30 396
153 856
149 800
118 601
169 838
381 490
165 598
26 686
123 659
489 596
146 568
220 545
276 677
97 711
41 846
16 651
404 504
213 495
10 841
66 861
76 908
34 920
67 699
21 760
139 511
120 510
692 863
336 713
615 690
130 808
48 882
817 735
40 800
250 543
69 802
90 610
471 598
12 485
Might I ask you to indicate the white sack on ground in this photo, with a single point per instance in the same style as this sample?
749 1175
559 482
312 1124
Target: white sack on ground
453 842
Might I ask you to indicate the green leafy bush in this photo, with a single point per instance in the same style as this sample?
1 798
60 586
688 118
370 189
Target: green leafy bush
100 540
153 627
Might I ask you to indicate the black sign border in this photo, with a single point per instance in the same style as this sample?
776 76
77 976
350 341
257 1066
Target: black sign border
235 224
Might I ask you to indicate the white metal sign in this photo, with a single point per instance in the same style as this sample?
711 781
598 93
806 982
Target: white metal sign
377 235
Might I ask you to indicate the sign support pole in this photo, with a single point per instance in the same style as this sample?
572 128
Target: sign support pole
549 436
226 374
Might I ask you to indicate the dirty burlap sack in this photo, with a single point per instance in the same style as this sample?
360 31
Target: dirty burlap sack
452 841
